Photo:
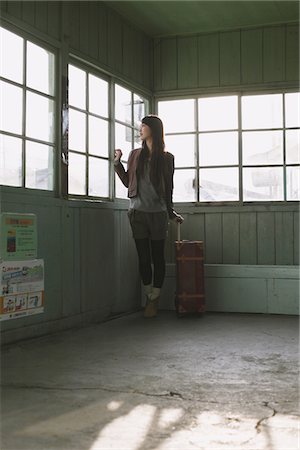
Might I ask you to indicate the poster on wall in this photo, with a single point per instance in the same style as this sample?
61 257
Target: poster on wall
18 236
21 288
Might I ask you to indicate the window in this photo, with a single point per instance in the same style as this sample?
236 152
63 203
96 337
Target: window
27 119
88 134
219 157
130 108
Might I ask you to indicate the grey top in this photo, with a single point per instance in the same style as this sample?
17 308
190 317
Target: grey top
147 198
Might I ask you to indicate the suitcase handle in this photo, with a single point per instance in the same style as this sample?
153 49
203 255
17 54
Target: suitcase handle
178 231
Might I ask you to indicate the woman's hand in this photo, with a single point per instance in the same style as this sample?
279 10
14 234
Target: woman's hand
178 219
118 154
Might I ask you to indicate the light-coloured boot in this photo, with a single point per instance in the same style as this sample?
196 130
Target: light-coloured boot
152 303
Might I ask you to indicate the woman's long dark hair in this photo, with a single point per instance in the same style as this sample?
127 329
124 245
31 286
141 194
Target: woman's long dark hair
157 164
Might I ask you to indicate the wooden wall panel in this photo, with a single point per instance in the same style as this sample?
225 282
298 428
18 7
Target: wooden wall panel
265 238
274 53
28 12
248 238
230 58
41 16
93 38
102 33
284 237
231 238
208 60
169 63
15 9
187 62
114 44
157 71
54 19
84 27
213 237
296 238
251 56
292 52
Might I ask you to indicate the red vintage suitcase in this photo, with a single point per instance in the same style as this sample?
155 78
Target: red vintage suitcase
190 294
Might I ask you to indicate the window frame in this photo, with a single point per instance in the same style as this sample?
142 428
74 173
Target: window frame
240 166
50 47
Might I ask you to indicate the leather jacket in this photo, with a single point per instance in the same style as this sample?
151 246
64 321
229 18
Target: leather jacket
129 178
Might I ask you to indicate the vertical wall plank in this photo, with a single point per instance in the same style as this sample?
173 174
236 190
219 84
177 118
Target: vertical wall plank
93 39
74 25
84 27
157 71
169 63
147 55
248 238
274 53
292 52
115 38
28 12
251 56
284 237
102 33
213 238
266 238
15 9
187 62
41 13
54 19
296 238
231 230
230 58
208 60
132 53
3 6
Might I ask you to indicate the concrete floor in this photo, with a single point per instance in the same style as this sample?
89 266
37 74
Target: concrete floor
221 381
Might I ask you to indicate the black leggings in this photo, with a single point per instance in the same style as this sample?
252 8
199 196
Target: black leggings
158 258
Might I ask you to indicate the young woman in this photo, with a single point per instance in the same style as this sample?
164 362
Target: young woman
149 179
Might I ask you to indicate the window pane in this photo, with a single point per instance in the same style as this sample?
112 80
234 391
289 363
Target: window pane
262 111
40 69
122 104
77 87
218 113
123 140
77 178
121 190
10 161
177 115
98 177
39 166
139 110
262 147
183 149
293 183
184 185
11 44
220 184
292 109
217 149
39 117
98 96
98 136
292 144
263 183
11 98
77 130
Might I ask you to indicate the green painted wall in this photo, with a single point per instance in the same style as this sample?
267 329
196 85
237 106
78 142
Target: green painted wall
260 56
